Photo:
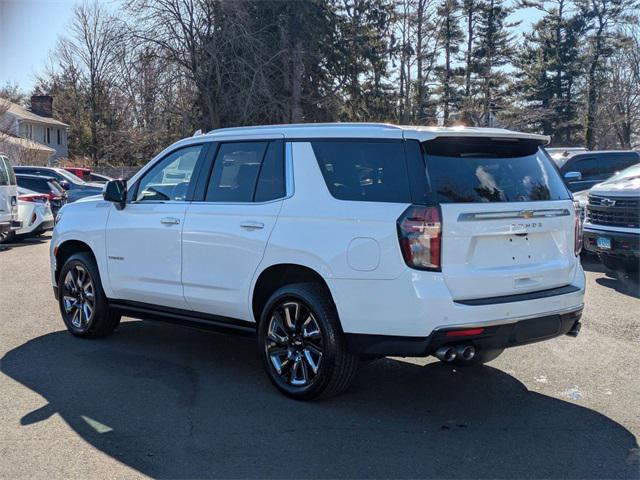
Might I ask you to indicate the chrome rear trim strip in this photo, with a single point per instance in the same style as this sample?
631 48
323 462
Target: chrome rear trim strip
476 216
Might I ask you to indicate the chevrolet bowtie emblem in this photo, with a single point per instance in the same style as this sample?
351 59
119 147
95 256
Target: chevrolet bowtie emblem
526 213
607 202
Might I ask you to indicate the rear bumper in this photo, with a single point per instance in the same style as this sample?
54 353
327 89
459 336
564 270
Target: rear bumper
622 244
5 227
45 226
418 303
492 335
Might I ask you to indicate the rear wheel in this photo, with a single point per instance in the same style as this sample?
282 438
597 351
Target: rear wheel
82 301
302 345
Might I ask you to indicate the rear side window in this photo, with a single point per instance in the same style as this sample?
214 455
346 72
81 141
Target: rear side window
4 173
601 166
271 178
29 184
364 170
10 173
235 172
479 170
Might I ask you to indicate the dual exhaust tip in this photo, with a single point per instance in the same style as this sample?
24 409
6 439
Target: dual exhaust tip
449 353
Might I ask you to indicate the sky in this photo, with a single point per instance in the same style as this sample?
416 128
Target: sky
29 30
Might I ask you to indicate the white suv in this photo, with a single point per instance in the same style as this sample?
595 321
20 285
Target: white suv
8 200
332 243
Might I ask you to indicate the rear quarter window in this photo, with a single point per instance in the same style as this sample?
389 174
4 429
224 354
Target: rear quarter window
369 171
483 170
4 173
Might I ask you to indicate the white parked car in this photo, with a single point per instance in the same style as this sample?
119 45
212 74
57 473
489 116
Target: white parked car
8 200
332 243
34 213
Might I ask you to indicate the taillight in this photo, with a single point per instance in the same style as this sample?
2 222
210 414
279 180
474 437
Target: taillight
33 198
577 247
420 236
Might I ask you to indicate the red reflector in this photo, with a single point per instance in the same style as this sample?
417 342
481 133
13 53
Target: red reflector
465 333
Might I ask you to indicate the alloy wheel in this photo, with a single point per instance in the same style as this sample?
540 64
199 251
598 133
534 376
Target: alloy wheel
78 297
294 343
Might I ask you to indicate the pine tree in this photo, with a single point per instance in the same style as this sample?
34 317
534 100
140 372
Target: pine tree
494 49
550 67
450 36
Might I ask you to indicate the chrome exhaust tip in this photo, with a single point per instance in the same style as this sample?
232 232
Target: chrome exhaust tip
446 354
466 352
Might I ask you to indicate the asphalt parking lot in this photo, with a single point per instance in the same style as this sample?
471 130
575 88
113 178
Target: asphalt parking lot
162 401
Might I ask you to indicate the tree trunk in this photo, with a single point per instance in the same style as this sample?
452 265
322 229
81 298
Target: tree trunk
296 82
447 71
419 55
592 92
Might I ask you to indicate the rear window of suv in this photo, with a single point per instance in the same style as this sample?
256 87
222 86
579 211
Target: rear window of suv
478 170
369 171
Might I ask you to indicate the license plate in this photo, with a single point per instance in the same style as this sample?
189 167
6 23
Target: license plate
604 243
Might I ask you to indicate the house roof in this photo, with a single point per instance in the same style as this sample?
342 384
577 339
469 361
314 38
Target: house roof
8 140
24 114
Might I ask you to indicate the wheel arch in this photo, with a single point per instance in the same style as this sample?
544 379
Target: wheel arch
68 248
278 275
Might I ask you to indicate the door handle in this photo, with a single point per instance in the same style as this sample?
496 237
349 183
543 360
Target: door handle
252 225
170 221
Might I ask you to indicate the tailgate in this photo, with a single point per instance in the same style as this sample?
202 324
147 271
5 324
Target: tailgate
496 249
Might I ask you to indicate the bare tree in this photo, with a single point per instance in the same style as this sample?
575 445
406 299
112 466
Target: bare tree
620 102
91 49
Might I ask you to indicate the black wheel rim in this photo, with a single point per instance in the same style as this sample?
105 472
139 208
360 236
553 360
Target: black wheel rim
294 345
78 297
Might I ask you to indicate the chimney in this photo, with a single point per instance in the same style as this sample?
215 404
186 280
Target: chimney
42 105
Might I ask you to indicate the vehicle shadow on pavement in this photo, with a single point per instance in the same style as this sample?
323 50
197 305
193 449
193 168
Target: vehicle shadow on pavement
24 241
178 403
625 283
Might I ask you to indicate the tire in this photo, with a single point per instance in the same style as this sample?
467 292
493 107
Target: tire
615 264
6 237
297 323
85 310
480 358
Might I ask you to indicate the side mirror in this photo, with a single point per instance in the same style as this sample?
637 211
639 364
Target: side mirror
573 176
116 191
64 184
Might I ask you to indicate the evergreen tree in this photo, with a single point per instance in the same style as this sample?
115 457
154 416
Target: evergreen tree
551 65
494 49
449 77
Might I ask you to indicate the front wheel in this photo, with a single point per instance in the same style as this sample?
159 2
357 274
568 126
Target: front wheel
302 345
83 304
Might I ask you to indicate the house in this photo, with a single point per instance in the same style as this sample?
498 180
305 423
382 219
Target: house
37 127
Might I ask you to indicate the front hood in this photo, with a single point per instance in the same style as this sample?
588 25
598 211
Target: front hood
91 198
625 187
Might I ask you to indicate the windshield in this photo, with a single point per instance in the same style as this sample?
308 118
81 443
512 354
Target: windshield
55 186
480 170
633 171
70 176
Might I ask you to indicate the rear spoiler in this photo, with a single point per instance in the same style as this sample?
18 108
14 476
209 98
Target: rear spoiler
424 134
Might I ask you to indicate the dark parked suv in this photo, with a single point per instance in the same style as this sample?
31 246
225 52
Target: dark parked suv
584 170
